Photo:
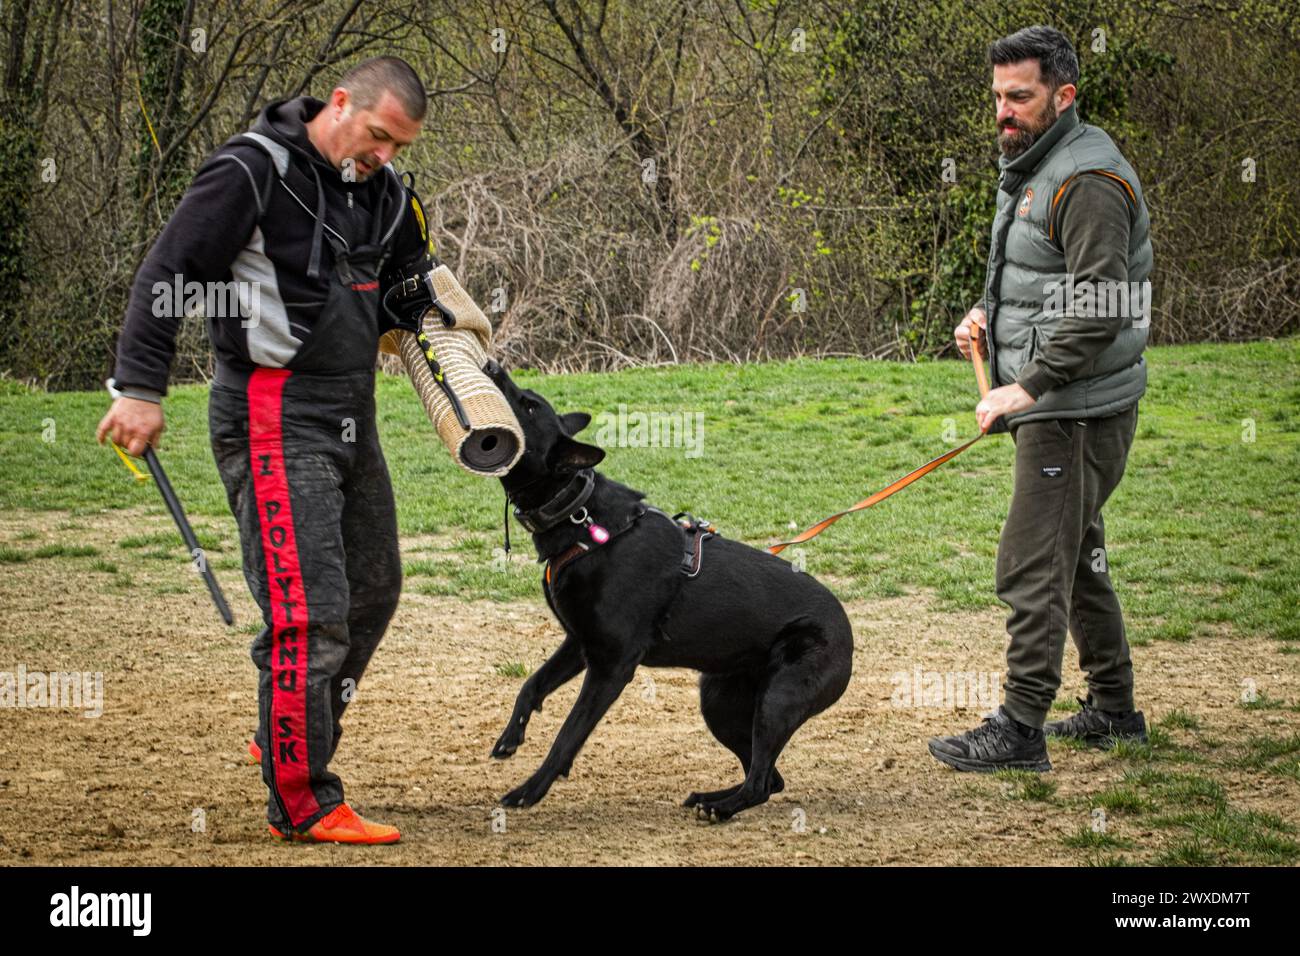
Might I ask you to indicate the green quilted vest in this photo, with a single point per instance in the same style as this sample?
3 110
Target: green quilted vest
1026 289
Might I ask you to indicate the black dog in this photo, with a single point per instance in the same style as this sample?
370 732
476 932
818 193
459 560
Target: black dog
774 647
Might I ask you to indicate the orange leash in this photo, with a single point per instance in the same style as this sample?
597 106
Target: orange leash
977 356
981 378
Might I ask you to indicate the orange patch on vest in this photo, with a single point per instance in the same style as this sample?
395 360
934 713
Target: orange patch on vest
1024 203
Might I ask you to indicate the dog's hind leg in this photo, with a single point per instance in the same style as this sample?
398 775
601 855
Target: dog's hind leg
566 663
601 686
808 671
727 702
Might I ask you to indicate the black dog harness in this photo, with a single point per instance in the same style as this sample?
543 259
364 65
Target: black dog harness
570 503
694 532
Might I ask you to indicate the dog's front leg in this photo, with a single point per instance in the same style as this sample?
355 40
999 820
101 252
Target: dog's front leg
566 663
600 688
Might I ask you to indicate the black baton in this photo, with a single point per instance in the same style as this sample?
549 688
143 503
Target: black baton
191 542
178 515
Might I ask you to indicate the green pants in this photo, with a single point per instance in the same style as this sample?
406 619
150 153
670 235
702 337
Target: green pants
1052 568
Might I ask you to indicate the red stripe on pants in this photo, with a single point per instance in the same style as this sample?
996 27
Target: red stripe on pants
288 730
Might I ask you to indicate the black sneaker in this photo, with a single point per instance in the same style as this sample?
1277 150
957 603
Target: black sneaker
1100 728
996 744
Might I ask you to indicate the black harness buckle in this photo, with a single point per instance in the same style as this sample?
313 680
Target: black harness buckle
696 531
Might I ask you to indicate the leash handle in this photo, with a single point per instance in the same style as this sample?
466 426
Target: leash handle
977 357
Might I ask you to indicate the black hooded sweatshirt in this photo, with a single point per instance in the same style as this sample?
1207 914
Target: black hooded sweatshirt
238 224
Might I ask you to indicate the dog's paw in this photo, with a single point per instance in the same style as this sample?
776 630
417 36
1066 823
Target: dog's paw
526 794
722 806
711 814
504 748
712 796
510 739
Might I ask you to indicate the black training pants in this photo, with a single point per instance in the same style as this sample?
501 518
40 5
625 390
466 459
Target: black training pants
306 480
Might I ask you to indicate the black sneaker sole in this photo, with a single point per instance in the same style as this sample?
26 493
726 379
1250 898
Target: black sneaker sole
983 766
1102 742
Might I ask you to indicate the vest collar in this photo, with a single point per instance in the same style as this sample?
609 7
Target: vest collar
1031 159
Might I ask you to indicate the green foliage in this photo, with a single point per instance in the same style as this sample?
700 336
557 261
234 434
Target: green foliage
161 83
860 168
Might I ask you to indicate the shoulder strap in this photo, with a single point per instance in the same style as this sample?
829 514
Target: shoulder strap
279 165
399 207
278 153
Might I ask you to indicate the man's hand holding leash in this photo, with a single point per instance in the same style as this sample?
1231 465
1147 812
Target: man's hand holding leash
996 402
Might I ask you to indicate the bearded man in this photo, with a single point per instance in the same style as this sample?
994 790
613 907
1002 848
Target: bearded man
1063 321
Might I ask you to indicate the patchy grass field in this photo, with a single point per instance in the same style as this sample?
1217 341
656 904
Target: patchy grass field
1203 549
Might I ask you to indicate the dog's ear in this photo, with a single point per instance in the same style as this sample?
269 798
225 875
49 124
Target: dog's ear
574 422
570 455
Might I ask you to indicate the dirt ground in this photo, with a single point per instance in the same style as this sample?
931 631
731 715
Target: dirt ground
180 703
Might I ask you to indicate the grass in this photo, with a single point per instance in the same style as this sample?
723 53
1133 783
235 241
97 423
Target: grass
1262 701
1171 793
1266 753
1228 836
1159 746
1025 785
1187 853
1108 859
1193 821
1124 798
19 555
65 551
1180 720
147 540
1202 532
1178 789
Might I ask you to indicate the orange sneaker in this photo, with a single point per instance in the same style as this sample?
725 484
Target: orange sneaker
254 752
342 825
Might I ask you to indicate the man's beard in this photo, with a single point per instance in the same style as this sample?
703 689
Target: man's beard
1018 141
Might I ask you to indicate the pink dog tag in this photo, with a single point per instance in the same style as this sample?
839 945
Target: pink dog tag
598 534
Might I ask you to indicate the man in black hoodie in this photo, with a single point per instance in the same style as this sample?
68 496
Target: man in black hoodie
287 239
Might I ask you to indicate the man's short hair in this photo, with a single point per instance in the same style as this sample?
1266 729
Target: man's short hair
1056 58
368 81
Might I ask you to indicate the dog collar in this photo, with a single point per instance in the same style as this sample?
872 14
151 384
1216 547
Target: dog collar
568 502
